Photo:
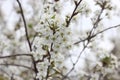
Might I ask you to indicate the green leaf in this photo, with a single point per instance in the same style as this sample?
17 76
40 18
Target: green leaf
30 25
53 17
106 61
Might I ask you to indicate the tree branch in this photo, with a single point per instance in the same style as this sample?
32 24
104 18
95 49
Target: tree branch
26 31
88 39
74 64
25 25
1 57
73 13
94 35
107 29
18 65
36 34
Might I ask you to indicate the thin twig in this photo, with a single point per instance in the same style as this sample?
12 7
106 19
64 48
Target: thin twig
90 36
74 64
18 65
94 27
73 13
107 29
95 24
25 25
36 34
1 57
94 35
98 18
26 31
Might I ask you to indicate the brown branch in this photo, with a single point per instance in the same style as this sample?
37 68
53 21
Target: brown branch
107 29
73 13
25 25
44 56
26 31
36 34
75 63
49 58
94 35
9 56
33 61
89 37
95 24
98 18
80 41
48 72
1 57
18 65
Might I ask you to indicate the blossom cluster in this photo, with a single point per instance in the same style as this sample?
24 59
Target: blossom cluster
54 40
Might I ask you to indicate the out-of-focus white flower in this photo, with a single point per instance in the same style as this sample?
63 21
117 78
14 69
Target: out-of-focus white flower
42 69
